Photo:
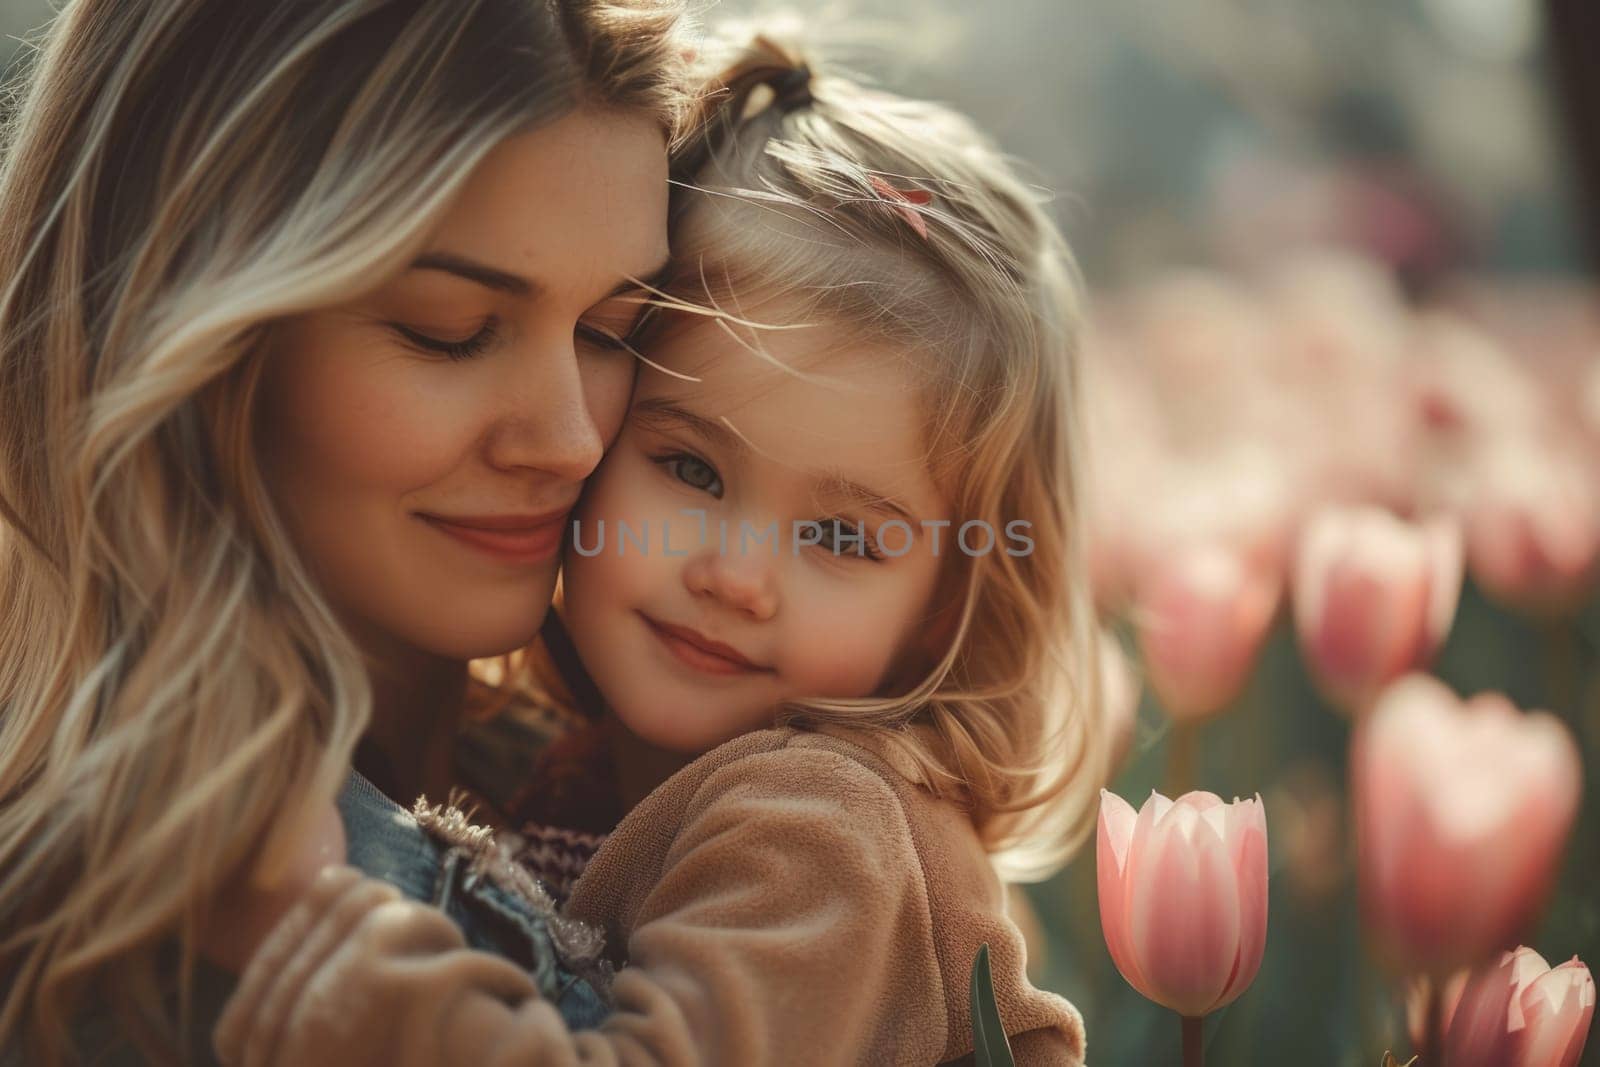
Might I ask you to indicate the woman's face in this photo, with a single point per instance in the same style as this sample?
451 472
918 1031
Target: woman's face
425 442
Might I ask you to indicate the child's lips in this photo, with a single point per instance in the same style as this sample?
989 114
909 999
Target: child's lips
696 650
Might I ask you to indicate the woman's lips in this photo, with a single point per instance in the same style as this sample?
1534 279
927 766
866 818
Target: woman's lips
700 652
511 539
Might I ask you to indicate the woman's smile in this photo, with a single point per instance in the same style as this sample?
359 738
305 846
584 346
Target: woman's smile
517 539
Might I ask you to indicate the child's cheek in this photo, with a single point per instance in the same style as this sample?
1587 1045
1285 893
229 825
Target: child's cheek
841 651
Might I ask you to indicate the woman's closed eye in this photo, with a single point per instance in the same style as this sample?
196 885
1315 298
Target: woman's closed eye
692 471
444 346
612 323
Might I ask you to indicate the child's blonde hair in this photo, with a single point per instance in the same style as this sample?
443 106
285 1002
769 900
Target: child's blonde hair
804 185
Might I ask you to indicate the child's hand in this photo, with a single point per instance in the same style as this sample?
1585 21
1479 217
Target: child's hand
248 908
357 975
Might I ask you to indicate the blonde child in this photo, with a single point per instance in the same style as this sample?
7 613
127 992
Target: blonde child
832 570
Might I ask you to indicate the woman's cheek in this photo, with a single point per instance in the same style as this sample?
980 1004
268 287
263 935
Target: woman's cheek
338 402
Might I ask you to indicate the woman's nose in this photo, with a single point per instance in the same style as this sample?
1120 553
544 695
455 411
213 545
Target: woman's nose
551 415
746 582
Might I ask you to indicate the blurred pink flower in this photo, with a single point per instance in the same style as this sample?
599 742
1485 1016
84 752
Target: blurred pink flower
1183 896
1201 614
1461 812
1209 347
1374 597
1466 385
1515 1012
1533 523
1341 338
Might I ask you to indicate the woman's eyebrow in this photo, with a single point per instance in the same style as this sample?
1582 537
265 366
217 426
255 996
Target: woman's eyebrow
506 282
484 275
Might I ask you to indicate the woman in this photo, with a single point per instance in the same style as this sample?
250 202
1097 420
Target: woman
307 341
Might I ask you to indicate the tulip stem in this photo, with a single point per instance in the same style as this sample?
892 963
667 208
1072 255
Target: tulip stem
1561 668
1432 1049
1181 751
1194 1049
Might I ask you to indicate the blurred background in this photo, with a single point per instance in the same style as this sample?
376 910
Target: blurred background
1339 259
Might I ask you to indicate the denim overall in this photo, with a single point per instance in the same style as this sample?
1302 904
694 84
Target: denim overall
385 841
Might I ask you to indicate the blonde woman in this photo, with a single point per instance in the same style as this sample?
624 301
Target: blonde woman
309 336
833 570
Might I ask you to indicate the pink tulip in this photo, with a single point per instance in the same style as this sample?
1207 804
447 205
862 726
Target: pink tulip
1533 524
1202 614
1341 343
1556 1005
1461 814
1183 896
1515 1012
1373 598
1466 385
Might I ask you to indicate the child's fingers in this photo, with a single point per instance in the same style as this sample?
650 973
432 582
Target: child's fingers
331 928
251 1022
354 947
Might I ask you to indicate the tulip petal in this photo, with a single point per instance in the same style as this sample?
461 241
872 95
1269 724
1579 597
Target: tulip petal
1185 915
1478 1035
1247 844
1557 1008
1113 843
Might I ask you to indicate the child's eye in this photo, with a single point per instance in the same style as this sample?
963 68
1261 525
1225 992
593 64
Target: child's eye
693 472
845 538
464 349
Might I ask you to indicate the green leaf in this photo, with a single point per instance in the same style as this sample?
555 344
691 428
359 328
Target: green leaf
989 1045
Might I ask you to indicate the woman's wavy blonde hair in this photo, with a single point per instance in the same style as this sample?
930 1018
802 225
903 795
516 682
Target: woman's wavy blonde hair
175 694
805 185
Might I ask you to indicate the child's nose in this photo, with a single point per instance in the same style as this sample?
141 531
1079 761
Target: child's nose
745 583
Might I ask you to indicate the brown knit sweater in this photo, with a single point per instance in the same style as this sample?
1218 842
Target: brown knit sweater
787 898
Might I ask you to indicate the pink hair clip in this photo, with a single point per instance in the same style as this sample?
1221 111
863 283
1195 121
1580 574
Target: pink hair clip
903 201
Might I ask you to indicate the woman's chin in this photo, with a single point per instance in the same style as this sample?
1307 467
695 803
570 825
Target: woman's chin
469 635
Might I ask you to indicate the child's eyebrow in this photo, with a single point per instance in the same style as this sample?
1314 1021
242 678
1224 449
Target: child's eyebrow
835 482
660 410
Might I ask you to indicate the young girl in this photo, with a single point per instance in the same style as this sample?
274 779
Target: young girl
833 571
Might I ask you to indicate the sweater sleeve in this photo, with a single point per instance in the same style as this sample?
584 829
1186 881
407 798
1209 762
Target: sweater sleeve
789 924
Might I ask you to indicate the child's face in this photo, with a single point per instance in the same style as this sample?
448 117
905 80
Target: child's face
713 554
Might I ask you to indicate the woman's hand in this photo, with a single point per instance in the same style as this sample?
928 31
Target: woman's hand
247 909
